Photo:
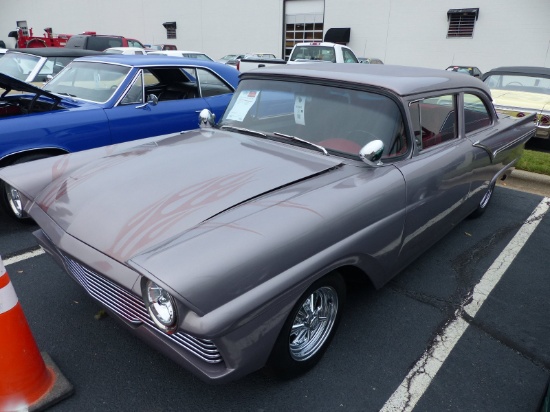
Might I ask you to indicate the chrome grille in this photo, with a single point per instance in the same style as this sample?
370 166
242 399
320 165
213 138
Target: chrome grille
132 308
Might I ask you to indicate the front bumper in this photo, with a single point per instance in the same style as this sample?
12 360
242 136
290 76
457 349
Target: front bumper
217 358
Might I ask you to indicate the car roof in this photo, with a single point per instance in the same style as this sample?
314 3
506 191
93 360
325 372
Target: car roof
56 52
402 80
545 71
229 73
318 43
175 52
125 48
149 60
454 66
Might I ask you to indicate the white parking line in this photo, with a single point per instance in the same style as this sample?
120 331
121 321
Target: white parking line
421 375
23 256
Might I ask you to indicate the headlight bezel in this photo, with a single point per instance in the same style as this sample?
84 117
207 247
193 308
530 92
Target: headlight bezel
161 306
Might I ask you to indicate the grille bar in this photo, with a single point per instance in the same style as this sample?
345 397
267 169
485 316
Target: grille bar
131 308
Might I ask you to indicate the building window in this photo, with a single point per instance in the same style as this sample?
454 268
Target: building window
170 29
301 28
461 22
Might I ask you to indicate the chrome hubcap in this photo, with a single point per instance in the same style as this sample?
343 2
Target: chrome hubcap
487 197
14 201
313 323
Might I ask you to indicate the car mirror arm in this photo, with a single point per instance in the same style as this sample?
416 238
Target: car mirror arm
152 100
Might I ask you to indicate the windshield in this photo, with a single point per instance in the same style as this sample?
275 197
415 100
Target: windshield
91 81
519 83
18 65
340 120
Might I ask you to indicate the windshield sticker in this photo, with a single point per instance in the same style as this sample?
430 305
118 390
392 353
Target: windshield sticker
243 104
299 104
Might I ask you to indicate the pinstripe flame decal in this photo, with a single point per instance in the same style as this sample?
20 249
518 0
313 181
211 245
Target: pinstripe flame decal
142 229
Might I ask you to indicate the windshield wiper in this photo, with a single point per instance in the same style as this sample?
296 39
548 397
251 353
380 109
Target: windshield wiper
321 148
63 94
243 130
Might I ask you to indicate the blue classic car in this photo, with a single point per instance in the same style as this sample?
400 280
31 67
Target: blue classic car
102 100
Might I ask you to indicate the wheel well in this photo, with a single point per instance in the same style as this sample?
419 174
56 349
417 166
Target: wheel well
353 274
10 159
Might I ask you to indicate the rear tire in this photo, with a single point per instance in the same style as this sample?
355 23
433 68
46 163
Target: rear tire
309 328
482 207
9 195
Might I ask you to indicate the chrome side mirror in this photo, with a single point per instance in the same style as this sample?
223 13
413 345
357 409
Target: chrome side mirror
152 99
206 118
372 152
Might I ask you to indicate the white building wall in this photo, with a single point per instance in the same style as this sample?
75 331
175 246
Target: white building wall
405 32
215 27
414 32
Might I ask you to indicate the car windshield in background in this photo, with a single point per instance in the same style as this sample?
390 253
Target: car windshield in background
323 53
18 65
340 120
196 56
95 82
519 83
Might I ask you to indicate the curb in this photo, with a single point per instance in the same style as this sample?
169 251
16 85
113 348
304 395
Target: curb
528 182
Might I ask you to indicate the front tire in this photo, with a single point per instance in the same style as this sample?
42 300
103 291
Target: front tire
309 328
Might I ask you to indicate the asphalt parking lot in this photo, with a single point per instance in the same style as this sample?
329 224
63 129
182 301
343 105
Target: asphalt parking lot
422 332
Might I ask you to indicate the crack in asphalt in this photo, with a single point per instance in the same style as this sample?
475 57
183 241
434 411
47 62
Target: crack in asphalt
454 307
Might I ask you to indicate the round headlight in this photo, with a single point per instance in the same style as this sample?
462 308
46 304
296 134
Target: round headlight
161 306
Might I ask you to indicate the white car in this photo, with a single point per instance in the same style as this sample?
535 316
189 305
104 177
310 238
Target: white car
321 52
125 50
183 53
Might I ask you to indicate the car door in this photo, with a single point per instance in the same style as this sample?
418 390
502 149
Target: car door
437 176
138 114
214 90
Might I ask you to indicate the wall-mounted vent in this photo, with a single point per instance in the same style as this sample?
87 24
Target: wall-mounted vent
462 22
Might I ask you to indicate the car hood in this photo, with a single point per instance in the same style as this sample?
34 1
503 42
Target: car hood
132 201
9 83
523 100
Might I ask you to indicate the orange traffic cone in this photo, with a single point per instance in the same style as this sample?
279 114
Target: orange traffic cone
28 379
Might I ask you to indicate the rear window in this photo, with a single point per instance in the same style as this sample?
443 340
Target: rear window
325 53
101 43
519 83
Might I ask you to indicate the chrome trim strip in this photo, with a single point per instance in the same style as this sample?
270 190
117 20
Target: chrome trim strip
514 142
132 309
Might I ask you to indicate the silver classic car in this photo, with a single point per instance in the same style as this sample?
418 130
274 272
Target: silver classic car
229 248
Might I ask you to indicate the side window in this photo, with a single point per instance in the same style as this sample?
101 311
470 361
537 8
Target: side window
476 115
210 84
349 57
135 94
434 120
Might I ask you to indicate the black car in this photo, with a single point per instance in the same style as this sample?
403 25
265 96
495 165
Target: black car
471 70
